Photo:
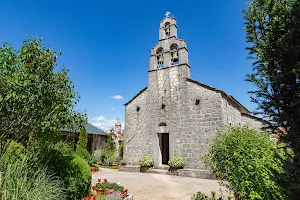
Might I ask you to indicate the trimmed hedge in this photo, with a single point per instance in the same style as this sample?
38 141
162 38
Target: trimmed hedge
72 169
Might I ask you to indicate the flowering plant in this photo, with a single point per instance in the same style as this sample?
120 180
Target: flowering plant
246 162
89 197
176 162
146 161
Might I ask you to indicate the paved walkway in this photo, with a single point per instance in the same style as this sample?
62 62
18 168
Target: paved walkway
146 186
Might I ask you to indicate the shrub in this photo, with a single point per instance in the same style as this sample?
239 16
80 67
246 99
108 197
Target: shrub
10 151
176 161
80 180
246 159
73 169
21 180
120 150
202 196
91 160
146 161
106 155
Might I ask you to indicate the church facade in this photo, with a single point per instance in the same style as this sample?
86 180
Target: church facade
176 115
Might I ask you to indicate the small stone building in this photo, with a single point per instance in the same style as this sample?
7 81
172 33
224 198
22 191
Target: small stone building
96 137
176 115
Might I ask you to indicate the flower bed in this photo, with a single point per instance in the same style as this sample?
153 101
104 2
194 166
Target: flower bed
106 190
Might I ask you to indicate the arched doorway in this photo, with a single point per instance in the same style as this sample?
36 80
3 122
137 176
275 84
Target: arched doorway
163 138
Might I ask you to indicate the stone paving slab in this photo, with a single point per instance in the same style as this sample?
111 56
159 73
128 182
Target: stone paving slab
145 186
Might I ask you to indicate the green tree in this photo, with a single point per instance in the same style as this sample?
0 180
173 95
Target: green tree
82 142
272 33
36 95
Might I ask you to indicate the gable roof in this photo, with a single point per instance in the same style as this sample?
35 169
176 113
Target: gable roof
140 92
90 129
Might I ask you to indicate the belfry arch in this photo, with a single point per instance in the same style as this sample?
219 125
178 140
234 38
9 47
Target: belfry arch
174 54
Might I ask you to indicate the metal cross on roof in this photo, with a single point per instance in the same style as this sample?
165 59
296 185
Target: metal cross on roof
167 14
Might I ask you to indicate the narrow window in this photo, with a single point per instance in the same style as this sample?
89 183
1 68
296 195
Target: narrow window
167 30
160 57
174 54
163 106
197 102
137 109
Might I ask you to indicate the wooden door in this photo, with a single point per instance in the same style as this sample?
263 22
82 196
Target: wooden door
165 148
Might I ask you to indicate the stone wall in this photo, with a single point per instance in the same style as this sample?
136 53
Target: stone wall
253 122
230 112
193 113
232 116
198 123
96 141
135 143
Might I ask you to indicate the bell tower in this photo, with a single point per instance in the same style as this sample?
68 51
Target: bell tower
170 51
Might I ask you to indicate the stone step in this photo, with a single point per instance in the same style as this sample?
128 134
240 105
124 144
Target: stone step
195 173
129 168
158 171
165 167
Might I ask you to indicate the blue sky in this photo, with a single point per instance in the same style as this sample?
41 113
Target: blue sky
106 45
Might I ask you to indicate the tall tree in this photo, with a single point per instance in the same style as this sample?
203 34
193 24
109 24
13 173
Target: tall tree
36 95
273 33
82 142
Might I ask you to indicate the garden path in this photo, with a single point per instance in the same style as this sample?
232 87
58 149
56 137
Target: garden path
145 186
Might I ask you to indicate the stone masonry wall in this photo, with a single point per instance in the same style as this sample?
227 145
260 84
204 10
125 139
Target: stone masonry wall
135 130
232 116
253 122
197 123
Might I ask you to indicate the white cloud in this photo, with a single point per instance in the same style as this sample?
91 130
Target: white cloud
103 123
117 97
112 109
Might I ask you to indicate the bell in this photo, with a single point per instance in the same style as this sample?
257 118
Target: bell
175 57
159 59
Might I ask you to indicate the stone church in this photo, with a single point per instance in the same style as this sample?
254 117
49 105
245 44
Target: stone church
176 115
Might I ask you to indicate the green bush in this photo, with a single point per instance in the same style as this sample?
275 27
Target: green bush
73 170
80 180
120 150
105 185
20 179
91 160
146 161
246 159
202 196
10 151
176 161
106 155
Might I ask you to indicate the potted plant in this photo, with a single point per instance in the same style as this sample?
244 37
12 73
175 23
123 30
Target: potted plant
146 162
176 162
124 192
122 163
101 186
94 169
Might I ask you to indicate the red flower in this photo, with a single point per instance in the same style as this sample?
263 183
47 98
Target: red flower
105 180
84 198
94 198
99 180
89 197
